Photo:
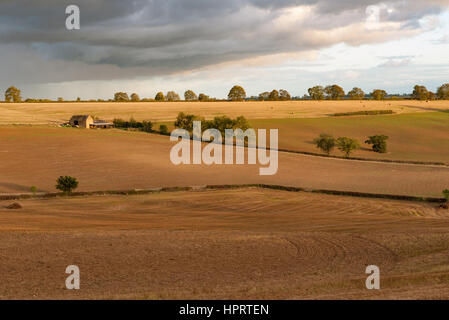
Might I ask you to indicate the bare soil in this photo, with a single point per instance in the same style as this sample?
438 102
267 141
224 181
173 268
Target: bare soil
234 244
120 160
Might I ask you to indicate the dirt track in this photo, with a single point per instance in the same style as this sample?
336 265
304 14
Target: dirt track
235 244
116 160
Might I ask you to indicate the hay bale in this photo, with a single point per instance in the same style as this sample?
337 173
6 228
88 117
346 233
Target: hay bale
14 206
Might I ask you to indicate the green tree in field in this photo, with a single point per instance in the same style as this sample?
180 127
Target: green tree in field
284 95
66 184
378 94
237 93
325 142
420 93
172 96
443 92
189 95
159 97
163 129
121 97
203 98
446 194
147 126
222 123
33 189
12 94
316 93
264 96
334 92
379 143
185 121
274 95
347 145
135 97
356 94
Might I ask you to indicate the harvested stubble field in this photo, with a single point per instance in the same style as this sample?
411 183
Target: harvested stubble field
121 160
412 137
55 113
224 244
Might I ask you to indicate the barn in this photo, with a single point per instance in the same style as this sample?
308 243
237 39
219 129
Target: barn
82 121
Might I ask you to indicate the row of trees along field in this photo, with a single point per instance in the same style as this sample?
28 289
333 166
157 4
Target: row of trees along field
238 93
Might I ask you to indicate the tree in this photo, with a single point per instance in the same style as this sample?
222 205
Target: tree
378 94
163 129
78 99
159 97
185 121
189 95
223 122
420 93
66 184
172 96
325 142
33 189
237 93
264 96
274 95
334 92
135 97
202 97
13 94
316 93
443 92
347 145
356 94
446 194
147 126
121 97
379 143
60 99
284 95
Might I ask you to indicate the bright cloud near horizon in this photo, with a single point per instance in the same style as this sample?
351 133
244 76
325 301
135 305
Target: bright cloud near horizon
146 46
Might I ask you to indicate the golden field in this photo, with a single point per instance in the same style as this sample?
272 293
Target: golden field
55 113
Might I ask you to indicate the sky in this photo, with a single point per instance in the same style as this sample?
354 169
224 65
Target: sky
146 46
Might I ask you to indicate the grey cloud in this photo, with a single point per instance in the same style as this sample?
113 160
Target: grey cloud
151 37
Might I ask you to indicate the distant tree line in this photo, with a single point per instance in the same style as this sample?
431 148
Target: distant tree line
238 93
185 121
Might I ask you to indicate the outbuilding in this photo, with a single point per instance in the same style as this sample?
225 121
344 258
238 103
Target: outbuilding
82 121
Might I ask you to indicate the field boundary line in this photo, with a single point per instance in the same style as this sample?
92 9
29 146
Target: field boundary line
325 156
10 197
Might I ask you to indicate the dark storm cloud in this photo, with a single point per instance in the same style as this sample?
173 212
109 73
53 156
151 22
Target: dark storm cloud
147 37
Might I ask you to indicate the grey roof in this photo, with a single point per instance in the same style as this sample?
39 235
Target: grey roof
80 117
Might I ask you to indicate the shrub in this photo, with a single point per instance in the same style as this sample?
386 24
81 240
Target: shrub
363 113
379 143
66 184
446 194
347 145
163 129
147 126
185 121
33 189
325 142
